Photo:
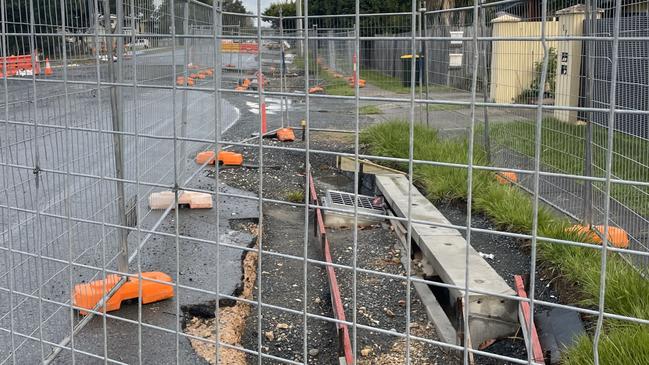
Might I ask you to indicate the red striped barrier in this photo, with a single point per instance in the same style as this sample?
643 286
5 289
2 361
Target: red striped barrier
537 352
345 351
15 64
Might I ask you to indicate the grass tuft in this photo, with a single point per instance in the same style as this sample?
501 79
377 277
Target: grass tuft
627 345
370 109
445 107
295 196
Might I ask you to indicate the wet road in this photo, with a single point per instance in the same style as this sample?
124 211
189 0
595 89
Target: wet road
68 134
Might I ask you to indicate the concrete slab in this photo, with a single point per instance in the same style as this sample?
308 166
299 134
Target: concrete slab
446 249
397 187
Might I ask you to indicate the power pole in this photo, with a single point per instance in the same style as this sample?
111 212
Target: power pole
298 12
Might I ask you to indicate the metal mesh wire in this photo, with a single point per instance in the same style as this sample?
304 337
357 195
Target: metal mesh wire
83 149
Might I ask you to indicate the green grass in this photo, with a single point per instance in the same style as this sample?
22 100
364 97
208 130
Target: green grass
295 196
622 346
445 107
563 150
369 109
627 292
394 84
339 86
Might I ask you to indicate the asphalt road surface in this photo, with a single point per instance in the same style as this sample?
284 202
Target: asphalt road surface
70 137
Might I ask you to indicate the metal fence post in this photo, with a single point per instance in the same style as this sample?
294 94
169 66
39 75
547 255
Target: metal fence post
298 13
485 83
425 46
588 138
282 70
187 49
116 117
315 53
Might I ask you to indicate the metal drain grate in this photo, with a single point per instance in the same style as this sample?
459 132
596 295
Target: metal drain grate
344 200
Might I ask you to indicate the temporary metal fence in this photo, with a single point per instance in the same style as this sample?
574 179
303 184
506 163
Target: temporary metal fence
81 151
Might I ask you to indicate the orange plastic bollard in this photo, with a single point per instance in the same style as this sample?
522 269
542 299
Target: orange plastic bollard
88 295
264 125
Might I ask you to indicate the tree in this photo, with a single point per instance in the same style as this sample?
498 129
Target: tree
288 9
333 7
234 6
230 6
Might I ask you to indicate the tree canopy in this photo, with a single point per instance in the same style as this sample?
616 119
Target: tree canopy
288 9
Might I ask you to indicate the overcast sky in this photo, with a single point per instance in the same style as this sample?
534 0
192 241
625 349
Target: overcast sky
251 5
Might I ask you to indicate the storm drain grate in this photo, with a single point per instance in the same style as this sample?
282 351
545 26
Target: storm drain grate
345 201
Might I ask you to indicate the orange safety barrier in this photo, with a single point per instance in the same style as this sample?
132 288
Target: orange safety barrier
15 64
616 236
231 47
286 135
249 48
227 158
88 295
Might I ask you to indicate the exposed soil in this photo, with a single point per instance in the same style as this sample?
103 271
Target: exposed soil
380 300
231 321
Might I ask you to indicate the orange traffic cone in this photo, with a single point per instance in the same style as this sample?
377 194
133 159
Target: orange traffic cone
48 67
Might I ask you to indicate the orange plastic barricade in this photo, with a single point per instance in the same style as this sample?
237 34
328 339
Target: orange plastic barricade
616 236
316 90
506 177
16 64
88 295
227 158
286 135
191 199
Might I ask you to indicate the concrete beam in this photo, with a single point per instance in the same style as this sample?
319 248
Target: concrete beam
446 249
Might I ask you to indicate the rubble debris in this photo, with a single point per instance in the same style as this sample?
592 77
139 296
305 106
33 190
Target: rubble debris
231 322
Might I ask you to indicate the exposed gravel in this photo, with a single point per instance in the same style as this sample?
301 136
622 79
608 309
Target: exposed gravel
380 300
